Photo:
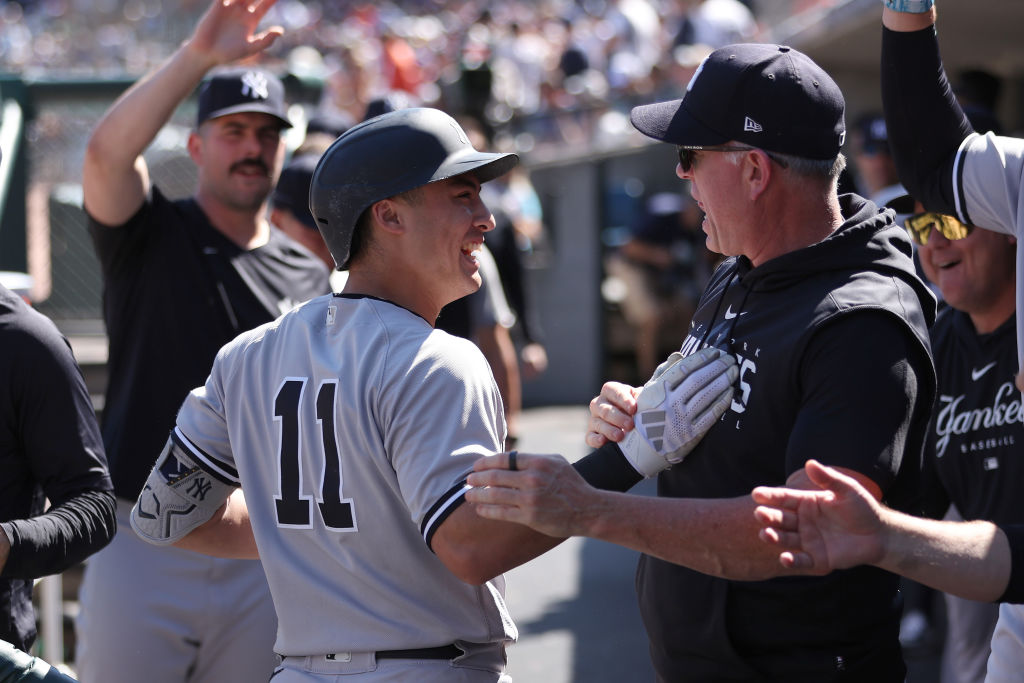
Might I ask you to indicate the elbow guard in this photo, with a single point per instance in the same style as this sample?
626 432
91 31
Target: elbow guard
178 497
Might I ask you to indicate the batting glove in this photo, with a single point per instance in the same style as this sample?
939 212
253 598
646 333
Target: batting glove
680 403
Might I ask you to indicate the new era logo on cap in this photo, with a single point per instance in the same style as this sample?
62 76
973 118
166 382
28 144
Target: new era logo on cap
242 90
751 125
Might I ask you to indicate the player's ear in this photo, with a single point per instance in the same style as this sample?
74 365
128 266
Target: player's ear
386 214
195 147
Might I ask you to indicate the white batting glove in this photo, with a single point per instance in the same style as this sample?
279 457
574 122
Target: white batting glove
680 403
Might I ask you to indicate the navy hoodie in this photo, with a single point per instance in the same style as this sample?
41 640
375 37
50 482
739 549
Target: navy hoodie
800 325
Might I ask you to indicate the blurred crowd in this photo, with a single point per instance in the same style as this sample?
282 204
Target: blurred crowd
499 62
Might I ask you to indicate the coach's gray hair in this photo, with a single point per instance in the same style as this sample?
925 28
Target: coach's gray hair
822 169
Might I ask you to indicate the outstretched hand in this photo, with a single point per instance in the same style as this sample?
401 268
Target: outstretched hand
227 32
837 527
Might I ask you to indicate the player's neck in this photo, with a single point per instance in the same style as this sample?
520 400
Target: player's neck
389 284
247 229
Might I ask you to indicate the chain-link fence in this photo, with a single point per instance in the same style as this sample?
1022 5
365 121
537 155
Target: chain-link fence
67 283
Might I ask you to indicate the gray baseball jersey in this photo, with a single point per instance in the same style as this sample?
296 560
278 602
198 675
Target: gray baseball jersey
988 193
351 424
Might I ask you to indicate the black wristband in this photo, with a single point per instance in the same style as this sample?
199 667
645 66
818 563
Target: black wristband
607 469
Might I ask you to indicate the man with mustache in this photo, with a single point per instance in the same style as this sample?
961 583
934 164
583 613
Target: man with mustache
182 278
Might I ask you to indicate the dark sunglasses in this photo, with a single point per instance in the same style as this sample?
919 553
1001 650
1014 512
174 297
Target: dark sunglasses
920 227
687 154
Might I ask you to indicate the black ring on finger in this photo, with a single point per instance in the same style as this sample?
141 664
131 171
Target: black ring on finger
512 461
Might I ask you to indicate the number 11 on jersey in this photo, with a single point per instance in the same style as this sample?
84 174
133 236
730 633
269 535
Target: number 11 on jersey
293 508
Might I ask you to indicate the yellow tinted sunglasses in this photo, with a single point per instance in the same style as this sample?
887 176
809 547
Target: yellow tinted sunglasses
920 227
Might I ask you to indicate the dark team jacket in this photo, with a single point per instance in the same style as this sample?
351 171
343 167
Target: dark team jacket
175 291
50 448
832 344
974 457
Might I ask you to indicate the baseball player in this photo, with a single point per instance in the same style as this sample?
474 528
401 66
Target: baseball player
351 424
181 278
953 169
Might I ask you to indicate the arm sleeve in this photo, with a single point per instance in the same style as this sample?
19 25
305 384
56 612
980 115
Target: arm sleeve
61 537
924 121
62 444
607 468
862 375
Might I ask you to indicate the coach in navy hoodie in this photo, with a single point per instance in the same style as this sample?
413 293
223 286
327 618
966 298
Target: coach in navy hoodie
819 302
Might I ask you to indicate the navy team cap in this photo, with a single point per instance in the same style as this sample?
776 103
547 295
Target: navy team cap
242 90
292 189
767 96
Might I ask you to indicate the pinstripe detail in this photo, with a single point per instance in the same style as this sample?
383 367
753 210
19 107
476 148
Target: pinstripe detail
959 198
216 468
439 511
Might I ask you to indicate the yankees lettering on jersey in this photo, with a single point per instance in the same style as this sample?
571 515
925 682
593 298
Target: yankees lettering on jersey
748 370
951 419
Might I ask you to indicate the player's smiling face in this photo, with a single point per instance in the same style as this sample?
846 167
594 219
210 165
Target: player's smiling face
447 231
239 157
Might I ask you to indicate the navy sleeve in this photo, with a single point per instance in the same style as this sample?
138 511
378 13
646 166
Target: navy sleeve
924 121
861 377
607 469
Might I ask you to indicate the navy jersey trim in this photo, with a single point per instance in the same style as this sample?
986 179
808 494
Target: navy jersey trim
439 511
219 470
960 196
358 295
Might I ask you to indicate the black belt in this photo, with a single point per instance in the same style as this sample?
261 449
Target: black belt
441 652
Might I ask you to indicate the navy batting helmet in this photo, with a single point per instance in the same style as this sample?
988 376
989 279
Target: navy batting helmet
386 156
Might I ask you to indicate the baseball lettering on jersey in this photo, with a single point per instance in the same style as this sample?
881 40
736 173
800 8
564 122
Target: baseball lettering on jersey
1006 409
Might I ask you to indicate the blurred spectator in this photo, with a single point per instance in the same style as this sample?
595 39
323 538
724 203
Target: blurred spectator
518 233
289 207
876 170
663 267
716 23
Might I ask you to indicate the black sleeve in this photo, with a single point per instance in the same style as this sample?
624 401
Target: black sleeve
63 450
924 121
61 537
866 412
1015 588
607 468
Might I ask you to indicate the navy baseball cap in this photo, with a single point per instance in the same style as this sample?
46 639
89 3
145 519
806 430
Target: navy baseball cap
292 190
242 90
767 96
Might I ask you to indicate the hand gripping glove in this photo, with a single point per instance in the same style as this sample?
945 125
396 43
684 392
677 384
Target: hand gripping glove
679 404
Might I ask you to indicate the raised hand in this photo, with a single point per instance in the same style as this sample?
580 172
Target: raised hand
227 32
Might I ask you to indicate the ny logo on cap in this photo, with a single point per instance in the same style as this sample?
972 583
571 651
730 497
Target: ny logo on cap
255 85
751 126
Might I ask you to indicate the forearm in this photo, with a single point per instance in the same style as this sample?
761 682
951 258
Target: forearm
713 536
477 549
63 536
968 559
132 122
228 533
